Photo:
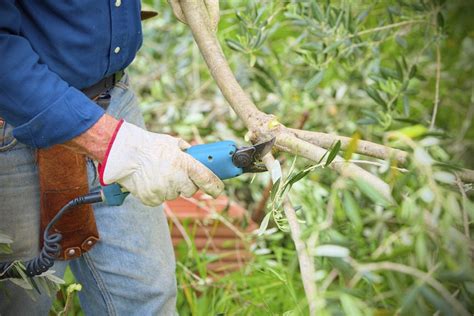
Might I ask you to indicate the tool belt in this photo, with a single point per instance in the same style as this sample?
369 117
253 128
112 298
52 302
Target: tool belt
62 177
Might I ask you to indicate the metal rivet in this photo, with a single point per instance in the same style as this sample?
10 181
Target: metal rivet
117 50
71 252
118 3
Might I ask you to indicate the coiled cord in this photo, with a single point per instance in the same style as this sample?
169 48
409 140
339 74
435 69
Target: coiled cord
51 242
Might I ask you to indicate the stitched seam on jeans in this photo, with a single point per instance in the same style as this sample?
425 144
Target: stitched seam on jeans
101 284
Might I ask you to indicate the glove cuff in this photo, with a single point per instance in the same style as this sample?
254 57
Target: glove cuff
103 164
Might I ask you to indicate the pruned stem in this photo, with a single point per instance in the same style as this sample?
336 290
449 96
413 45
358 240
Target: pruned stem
304 259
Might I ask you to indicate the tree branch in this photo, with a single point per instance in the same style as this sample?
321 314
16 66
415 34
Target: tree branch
363 147
290 143
304 259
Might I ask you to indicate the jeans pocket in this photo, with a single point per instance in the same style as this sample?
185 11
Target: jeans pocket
7 141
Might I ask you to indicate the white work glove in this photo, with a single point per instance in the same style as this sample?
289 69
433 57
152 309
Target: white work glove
154 167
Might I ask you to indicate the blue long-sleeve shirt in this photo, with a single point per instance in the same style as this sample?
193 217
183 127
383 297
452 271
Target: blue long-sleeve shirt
49 50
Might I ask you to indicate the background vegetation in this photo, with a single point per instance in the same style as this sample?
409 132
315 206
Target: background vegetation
372 70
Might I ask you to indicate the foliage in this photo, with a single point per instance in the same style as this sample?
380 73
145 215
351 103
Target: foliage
363 69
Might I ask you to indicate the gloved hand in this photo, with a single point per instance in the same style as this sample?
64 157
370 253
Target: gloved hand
154 167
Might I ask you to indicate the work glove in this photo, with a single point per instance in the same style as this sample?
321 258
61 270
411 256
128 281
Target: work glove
212 9
154 167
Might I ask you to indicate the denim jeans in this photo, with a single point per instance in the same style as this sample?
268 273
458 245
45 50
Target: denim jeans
130 271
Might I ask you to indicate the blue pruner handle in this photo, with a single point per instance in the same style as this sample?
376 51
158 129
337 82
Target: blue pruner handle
113 194
217 157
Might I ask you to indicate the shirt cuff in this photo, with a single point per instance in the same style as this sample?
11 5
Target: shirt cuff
68 117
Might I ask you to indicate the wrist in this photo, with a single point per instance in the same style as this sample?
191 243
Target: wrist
95 141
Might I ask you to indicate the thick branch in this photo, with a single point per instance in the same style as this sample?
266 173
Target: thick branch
366 148
211 51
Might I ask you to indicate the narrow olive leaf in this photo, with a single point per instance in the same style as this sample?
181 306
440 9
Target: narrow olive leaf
297 177
390 73
264 224
440 20
399 69
352 147
313 82
372 193
374 94
436 301
406 105
333 46
316 11
276 186
313 46
234 45
352 210
412 72
333 153
401 41
361 17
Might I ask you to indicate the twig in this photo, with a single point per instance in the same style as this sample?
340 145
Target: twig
305 260
386 27
438 77
465 216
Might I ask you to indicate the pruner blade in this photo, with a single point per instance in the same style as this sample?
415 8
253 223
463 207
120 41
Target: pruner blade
247 158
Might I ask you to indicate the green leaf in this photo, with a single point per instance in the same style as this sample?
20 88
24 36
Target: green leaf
316 11
313 82
297 177
412 72
440 20
352 147
264 224
333 46
234 45
406 105
275 188
361 17
350 306
313 46
352 210
369 191
374 94
333 153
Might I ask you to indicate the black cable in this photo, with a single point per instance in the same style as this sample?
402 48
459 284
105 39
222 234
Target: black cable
51 242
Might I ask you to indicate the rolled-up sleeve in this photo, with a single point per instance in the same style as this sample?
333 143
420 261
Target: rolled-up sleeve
44 109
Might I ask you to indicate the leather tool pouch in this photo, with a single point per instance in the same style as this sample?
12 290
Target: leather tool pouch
63 177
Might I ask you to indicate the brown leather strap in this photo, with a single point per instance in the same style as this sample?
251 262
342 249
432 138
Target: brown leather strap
62 177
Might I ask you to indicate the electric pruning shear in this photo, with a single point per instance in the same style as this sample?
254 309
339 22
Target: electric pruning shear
223 158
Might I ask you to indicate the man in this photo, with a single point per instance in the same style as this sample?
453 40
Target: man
52 55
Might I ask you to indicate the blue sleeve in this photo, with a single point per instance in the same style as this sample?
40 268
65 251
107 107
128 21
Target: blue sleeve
44 109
